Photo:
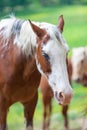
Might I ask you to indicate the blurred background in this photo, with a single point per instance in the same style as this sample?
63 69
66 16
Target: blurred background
75 33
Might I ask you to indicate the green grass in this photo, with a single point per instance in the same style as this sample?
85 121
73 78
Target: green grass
75 32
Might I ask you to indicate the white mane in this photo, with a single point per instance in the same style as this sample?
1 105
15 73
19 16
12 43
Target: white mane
25 38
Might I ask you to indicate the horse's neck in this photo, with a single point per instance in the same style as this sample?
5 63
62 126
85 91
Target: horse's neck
30 66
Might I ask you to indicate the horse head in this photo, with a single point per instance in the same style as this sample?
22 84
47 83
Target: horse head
51 52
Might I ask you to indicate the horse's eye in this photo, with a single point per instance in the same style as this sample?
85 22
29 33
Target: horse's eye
45 56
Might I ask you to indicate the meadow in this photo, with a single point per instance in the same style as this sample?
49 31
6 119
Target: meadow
75 33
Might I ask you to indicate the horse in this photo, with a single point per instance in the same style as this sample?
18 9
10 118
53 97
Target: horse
28 50
47 96
79 64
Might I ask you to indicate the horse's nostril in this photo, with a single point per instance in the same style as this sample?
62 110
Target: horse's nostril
61 95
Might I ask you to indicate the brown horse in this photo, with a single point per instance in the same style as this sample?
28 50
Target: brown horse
24 47
47 96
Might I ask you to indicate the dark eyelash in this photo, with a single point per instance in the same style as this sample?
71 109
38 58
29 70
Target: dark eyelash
45 56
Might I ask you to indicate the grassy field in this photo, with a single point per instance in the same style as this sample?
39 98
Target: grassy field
75 32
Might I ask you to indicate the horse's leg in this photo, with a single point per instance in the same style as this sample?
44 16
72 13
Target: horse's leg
29 108
44 116
4 105
49 114
64 112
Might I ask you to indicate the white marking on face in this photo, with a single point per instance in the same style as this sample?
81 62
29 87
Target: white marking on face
57 49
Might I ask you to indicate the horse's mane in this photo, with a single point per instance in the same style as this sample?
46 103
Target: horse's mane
21 29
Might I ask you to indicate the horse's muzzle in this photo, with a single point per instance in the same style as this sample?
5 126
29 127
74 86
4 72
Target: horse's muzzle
63 98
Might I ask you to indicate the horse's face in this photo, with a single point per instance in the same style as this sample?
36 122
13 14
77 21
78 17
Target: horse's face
51 54
79 64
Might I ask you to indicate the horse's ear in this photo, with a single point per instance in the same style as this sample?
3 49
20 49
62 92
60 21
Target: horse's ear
39 32
61 23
